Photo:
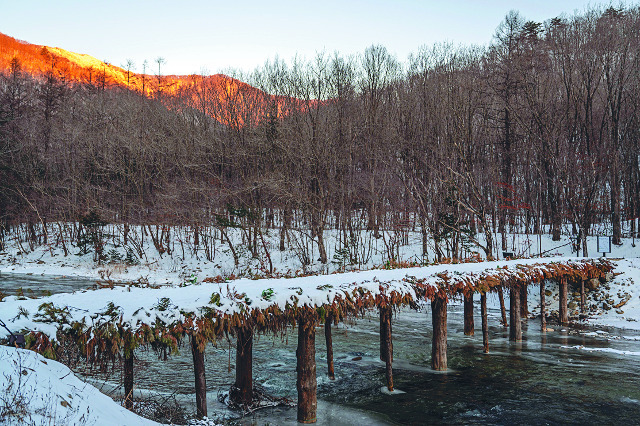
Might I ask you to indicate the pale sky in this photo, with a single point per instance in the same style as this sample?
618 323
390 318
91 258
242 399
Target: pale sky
212 36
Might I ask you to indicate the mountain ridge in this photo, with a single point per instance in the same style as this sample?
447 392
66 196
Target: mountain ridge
226 93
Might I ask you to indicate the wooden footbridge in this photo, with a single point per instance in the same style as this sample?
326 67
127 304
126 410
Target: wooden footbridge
163 316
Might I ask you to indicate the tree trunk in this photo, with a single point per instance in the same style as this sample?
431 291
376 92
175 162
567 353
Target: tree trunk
306 382
488 252
439 339
283 233
329 340
425 237
555 231
556 220
615 210
468 315
224 234
242 392
485 324
503 309
321 248
126 234
515 326
266 250
562 310
201 381
128 381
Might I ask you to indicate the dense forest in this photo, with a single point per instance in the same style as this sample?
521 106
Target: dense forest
537 132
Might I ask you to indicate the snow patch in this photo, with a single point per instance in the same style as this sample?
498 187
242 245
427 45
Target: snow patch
46 392
386 391
609 350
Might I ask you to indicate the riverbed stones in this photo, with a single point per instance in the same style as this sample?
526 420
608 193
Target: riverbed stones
607 277
592 284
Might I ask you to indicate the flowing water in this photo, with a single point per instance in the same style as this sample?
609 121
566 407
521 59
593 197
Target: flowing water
32 285
543 380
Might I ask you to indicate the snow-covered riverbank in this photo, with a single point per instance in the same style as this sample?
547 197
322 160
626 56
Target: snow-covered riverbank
39 391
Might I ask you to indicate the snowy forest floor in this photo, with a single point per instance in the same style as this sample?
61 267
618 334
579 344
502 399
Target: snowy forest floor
183 260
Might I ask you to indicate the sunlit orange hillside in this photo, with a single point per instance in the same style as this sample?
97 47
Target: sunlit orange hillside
224 98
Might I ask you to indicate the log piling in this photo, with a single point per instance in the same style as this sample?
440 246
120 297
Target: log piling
306 382
128 380
468 314
242 391
562 310
385 315
439 339
503 309
485 324
200 379
329 341
543 307
524 303
515 325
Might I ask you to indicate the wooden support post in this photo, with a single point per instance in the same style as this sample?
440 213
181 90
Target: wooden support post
384 323
485 324
543 307
201 381
383 333
524 305
385 314
306 382
515 325
128 380
327 336
562 311
439 339
503 310
583 298
242 391
468 314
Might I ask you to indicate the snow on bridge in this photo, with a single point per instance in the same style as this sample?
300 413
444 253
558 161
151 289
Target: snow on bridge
134 306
